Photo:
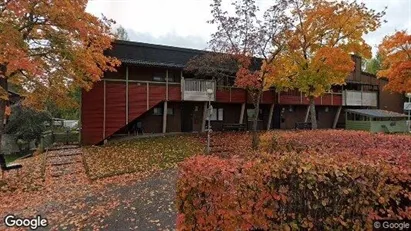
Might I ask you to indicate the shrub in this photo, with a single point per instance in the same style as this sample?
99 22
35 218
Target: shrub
314 189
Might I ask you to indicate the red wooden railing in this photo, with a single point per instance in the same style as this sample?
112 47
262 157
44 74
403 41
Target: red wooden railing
294 97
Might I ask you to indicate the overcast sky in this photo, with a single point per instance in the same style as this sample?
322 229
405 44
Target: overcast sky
183 23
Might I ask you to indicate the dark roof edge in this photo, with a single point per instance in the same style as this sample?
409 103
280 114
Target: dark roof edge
158 46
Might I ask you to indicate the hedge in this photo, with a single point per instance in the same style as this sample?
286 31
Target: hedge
289 190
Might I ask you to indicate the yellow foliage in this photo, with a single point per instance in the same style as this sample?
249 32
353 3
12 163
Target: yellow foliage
319 47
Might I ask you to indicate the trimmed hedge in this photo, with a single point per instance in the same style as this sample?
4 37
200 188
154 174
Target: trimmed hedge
288 190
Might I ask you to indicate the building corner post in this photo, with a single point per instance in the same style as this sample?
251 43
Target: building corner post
165 117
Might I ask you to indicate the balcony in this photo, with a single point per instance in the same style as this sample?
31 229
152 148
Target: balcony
196 89
360 98
295 97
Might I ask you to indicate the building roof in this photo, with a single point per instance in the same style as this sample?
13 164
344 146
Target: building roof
145 54
377 113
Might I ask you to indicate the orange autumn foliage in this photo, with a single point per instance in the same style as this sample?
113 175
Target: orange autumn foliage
396 65
48 48
317 54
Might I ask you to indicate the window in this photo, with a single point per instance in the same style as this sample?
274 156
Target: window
161 76
170 111
159 111
218 115
251 114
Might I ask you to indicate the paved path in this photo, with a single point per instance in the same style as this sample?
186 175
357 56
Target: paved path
146 205
70 201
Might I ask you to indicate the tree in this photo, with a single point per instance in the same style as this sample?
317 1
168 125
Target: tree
317 55
121 33
396 65
27 124
70 111
374 65
49 48
252 42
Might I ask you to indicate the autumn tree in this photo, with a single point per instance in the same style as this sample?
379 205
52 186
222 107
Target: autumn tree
374 65
323 36
121 33
48 48
252 41
396 65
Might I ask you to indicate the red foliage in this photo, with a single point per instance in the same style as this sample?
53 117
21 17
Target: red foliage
337 180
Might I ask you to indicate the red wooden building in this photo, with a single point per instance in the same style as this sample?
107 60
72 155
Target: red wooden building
152 90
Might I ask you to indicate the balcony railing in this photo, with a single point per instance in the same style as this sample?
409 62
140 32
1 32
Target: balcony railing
295 97
360 98
196 89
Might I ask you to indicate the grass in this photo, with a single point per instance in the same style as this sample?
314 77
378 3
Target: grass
139 155
13 157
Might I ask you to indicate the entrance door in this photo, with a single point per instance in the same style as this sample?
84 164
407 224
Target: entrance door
277 117
187 110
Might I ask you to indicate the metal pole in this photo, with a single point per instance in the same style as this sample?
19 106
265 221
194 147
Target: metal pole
209 125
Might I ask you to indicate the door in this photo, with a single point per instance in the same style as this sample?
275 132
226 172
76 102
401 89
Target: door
277 117
187 111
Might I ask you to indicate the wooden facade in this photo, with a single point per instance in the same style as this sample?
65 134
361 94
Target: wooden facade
149 87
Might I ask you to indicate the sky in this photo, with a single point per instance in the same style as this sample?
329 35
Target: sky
183 23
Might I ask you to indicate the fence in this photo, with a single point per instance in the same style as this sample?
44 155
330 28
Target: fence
51 138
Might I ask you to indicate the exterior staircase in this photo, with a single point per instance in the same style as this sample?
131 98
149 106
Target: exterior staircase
109 109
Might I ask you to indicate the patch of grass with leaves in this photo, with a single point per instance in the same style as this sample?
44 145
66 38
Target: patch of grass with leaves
139 155
30 178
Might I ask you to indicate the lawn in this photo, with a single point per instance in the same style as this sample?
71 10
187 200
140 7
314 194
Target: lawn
13 157
139 155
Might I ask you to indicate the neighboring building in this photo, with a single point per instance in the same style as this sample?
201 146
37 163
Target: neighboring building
151 80
375 120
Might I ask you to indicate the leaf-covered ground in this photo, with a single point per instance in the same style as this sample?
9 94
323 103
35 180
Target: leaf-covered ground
140 155
131 184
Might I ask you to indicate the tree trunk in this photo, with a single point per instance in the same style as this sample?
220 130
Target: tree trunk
256 139
313 115
3 84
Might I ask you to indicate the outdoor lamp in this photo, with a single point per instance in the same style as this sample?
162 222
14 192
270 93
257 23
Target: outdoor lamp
210 92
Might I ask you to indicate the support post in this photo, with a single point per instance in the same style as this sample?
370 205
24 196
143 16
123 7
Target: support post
307 114
147 96
204 117
242 113
104 109
126 95
301 97
337 116
165 117
270 117
182 85
167 85
279 97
